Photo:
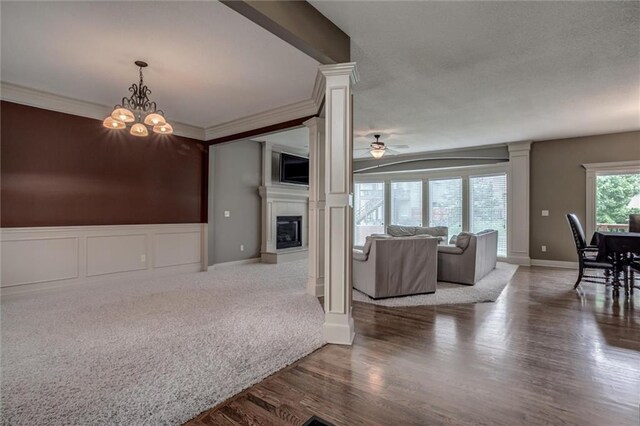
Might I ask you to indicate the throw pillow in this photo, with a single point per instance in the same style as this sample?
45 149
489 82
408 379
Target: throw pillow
463 240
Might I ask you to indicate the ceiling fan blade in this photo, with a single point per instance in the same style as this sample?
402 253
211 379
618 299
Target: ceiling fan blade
399 146
362 154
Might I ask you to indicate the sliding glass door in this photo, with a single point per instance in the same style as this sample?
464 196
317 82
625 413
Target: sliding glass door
445 204
406 203
488 206
368 210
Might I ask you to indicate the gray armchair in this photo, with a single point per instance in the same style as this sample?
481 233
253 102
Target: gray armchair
388 267
470 259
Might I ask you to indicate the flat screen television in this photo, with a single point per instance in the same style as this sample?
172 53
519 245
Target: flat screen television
294 169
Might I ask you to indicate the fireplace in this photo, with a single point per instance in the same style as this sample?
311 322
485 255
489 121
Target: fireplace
288 232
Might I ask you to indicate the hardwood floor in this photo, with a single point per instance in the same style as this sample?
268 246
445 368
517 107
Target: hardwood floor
542 354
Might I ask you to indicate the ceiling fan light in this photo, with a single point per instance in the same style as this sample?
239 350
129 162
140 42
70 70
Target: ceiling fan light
139 129
123 114
163 129
377 153
154 119
110 123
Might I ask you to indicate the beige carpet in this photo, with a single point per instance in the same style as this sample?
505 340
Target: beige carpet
487 289
152 352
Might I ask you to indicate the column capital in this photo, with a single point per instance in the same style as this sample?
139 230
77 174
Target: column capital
519 146
348 68
315 122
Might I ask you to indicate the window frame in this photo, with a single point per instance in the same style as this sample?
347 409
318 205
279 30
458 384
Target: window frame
464 172
593 170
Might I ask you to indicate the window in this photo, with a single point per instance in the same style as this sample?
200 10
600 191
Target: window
406 203
488 206
368 210
445 204
617 196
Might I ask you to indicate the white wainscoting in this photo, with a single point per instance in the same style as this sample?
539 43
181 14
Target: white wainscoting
43 257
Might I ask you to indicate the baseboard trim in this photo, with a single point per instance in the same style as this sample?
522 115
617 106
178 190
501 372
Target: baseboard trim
235 263
516 260
554 263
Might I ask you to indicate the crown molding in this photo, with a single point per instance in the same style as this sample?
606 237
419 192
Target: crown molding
45 100
273 116
318 90
348 68
263 119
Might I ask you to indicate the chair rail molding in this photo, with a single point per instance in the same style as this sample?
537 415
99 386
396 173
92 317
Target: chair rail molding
46 257
518 203
592 171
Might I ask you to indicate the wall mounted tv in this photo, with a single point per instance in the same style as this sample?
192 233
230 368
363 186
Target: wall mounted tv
294 169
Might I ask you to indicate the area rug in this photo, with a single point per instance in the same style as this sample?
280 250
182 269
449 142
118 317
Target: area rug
486 290
150 352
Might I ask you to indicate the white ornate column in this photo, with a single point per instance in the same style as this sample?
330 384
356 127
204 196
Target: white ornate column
518 203
338 324
315 285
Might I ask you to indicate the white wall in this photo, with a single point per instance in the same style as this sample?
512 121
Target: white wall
45 256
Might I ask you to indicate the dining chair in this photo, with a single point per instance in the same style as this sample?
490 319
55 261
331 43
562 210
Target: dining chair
634 223
587 255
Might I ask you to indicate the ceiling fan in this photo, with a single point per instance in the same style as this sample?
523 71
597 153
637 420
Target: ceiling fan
377 149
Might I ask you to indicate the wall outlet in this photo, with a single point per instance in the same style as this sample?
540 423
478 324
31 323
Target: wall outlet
143 258
545 212
227 213
543 248
241 247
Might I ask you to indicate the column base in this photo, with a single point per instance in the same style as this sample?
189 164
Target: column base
315 286
338 329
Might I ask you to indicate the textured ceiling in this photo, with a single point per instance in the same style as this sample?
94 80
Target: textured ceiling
440 75
207 63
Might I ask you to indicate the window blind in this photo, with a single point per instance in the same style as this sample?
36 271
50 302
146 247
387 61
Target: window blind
445 204
488 206
406 203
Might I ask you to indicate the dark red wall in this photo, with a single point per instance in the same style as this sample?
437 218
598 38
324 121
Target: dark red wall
60 170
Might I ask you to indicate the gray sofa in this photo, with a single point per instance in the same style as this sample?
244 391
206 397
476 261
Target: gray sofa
471 258
388 267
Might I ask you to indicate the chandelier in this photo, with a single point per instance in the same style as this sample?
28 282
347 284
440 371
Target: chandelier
138 111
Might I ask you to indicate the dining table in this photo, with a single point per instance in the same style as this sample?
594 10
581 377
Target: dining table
620 249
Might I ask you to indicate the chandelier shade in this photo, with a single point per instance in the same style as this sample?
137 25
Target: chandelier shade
138 111
163 129
110 123
154 119
139 129
123 114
